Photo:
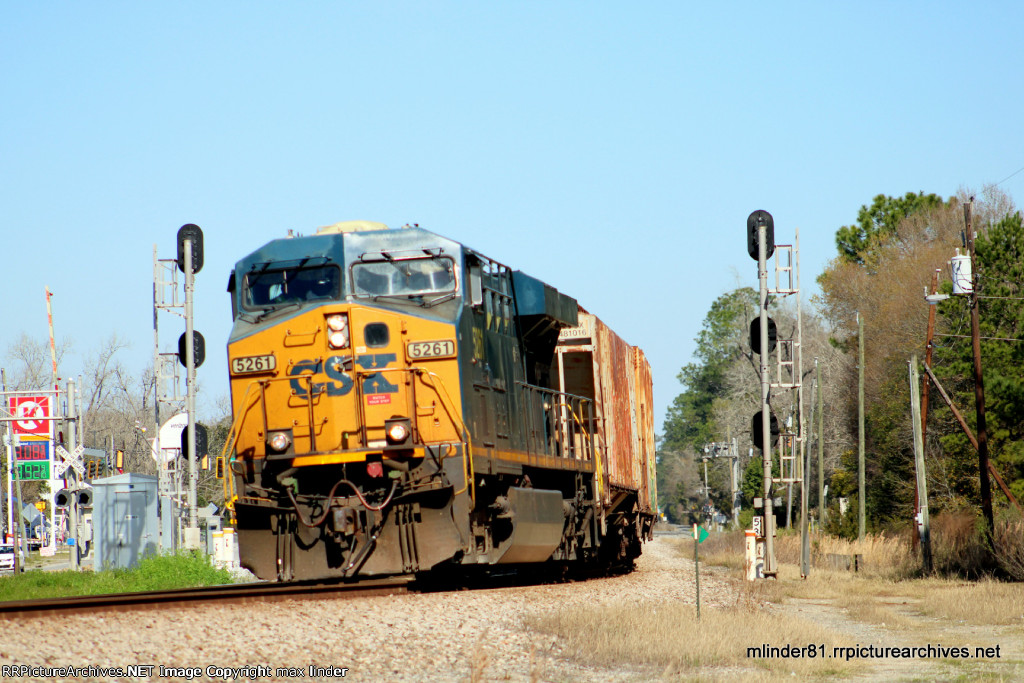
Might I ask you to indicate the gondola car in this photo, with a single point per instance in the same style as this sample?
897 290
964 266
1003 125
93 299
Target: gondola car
403 404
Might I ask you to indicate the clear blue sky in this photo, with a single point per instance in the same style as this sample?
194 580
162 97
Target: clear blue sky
612 149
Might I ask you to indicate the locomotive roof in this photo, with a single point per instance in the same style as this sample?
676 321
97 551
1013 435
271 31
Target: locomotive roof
341 246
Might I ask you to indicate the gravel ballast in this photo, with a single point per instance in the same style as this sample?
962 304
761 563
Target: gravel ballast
451 636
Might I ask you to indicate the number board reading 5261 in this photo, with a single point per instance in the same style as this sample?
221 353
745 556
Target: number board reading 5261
431 349
252 364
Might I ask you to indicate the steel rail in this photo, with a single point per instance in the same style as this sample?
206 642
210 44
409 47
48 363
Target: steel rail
232 593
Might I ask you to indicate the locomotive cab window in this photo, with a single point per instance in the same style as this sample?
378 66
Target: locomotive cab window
278 286
424 280
376 335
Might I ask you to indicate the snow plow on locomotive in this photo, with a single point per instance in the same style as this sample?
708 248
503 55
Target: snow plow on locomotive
402 403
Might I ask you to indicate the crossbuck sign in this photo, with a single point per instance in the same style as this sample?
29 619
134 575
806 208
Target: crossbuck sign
70 460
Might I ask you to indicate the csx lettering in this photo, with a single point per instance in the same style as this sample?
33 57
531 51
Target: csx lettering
340 383
340 386
376 383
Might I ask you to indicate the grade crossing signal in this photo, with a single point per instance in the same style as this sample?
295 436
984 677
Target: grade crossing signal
62 498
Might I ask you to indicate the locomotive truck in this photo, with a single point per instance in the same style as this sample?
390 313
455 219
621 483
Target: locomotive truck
403 404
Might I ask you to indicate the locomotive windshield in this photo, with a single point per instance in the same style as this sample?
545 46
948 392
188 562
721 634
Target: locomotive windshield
277 286
429 280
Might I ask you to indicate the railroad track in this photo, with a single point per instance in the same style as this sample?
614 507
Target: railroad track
263 591
234 593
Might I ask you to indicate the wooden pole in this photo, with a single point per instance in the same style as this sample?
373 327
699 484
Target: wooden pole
928 346
805 538
860 428
970 437
979 386
821 449
922 480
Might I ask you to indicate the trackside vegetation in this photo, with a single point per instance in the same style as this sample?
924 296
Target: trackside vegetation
898 248
163 572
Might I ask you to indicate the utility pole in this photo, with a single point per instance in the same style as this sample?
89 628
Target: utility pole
734 452
821 449
860 427
979 385
922 479
56 399
925 386
805 538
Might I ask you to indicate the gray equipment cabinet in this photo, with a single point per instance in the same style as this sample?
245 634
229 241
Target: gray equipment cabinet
125 520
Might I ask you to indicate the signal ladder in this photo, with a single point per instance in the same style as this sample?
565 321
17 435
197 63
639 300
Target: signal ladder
789 366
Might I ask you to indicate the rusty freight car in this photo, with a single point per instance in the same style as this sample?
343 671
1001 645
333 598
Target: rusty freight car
596 363
404 404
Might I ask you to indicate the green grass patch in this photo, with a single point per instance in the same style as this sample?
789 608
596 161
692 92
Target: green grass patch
164 572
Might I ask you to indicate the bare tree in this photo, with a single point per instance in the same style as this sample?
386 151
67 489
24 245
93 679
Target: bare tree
29 363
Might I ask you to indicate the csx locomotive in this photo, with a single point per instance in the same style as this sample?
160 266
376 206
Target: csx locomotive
403 404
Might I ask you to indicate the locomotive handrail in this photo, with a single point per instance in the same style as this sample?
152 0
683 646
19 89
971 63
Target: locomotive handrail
582 426
467 439
236 424
563 402
451 410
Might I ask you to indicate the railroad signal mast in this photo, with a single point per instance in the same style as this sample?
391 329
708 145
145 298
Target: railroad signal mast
785 374
726 450
173 485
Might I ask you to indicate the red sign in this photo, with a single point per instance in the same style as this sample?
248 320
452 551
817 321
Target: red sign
29 410
32 450
378 399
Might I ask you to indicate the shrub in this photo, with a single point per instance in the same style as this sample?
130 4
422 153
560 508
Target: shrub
958 545
1009 545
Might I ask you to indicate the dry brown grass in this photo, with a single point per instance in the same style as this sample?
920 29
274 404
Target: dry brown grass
887 575
1009 541
669 638
882 555
982 603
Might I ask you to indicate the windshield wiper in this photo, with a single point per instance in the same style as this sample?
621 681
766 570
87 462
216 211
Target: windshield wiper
439 300
273 310
402 298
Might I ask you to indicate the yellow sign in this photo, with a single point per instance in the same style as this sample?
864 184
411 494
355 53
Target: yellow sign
41 505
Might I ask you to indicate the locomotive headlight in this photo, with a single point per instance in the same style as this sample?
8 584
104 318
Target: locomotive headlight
279 441
337 336
398 433
337 322
338 340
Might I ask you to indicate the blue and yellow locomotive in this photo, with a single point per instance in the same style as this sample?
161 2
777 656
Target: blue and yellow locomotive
403 403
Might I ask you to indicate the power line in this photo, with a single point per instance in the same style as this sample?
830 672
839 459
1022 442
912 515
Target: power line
964 336
1004 179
